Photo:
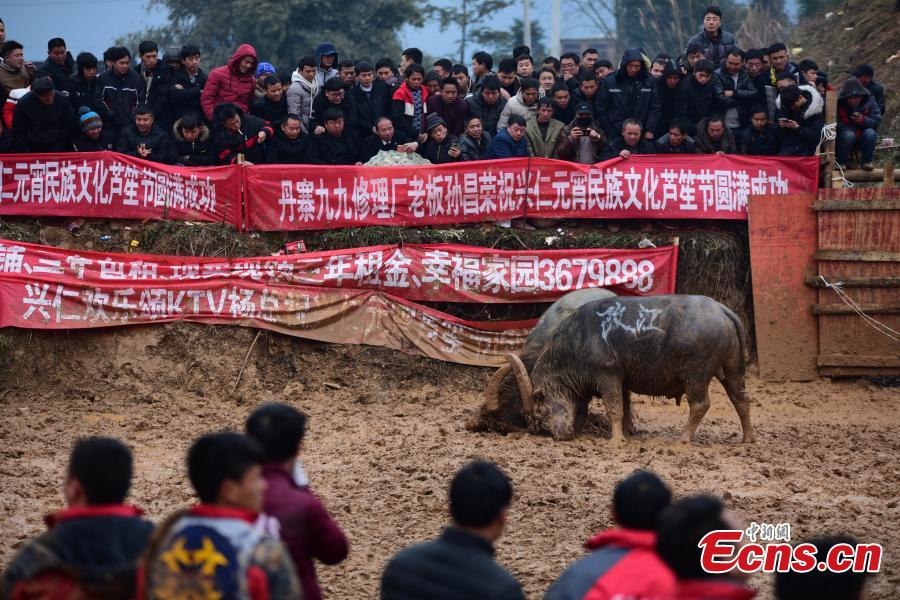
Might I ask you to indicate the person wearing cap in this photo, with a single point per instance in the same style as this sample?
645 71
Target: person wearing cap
487 103
800 120
326 58
337 144
449 106
187 84
714 41
441 147
865 74
44 120
524 103
858 119
696 97
510 142
629 93
263 69
120 89
372 98
629 142
543 131
333 95
582 141
232 83
14 71
91 138
157 77
59 65
172 58
84 87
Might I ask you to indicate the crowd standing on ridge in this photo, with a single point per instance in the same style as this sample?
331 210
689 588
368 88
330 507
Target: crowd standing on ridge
713 97
258 531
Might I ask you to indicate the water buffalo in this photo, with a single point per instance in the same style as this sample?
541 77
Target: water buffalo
502 408
657 346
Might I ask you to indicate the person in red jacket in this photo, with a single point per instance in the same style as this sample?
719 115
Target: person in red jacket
678 535
233 82
623 562
307 529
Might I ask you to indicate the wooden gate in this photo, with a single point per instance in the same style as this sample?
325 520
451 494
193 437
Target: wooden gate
859 251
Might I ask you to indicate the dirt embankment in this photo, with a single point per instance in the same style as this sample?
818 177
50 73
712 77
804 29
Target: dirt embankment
386 434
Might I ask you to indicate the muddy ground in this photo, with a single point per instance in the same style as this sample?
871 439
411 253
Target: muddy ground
386 434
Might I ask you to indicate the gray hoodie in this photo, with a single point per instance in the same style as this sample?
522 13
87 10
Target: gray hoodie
300 99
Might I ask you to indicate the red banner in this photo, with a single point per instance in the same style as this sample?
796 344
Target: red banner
282 197
111 185
429 272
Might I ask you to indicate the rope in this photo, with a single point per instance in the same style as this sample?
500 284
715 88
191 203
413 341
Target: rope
877 325
829 134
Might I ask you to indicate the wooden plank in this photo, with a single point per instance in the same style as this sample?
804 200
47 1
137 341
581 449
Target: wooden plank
858 371
843 360
782 240
858 256
888 174
828 146
832 205
857 193
873 176
887 308
850 282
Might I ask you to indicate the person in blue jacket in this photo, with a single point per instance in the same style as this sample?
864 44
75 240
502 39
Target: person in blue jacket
510 142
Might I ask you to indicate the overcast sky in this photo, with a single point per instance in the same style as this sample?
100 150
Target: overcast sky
93 25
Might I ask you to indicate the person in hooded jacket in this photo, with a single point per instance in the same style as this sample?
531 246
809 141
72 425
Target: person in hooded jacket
487 103
84 88
59 65
800 121
866 76
858 118
667 89
91 138
44 120
715 42
288 145
232 83
238 134
304 88
122 87
696 97
145 139
629 93
326 61
191 142
187 84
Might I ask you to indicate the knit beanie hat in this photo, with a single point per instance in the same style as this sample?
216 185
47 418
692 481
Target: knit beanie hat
263 68
433 120
88 119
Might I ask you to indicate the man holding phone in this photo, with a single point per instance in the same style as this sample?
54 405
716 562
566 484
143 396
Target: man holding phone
583 140
857 123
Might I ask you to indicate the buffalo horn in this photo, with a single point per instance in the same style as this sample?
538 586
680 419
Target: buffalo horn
523 380
492 391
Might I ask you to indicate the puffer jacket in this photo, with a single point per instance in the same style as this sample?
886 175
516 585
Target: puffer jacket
694 102
41 128
622 97
811 118
87 93
488 113
868 108
156 139
120 95
472 149
300 99
714 49
225 84
515 106
192 154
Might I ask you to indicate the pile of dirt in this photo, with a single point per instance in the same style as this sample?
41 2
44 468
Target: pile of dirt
853 33
387 433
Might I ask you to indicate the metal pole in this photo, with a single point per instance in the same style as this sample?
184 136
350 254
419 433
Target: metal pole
555 12
526 24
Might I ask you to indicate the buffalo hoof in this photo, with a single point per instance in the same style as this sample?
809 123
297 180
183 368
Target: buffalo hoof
749 439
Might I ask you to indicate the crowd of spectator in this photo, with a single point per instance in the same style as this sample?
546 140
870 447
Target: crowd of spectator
258 531
711 98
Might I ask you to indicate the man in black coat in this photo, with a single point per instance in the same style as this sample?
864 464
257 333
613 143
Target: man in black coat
272 107
372 98
865 74
288 145
631 141
629 93
121 88
676 140
236 134
386 138
84 88
59 64
667 89
191 142
333 95
157 77
487 103
338 144
187 85
696 97
735 90
460 563
145 139
759 138
800 121
44 120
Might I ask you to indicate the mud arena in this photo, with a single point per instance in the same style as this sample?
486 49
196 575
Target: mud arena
387 432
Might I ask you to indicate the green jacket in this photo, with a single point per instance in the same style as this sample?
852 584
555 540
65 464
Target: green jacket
540 146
